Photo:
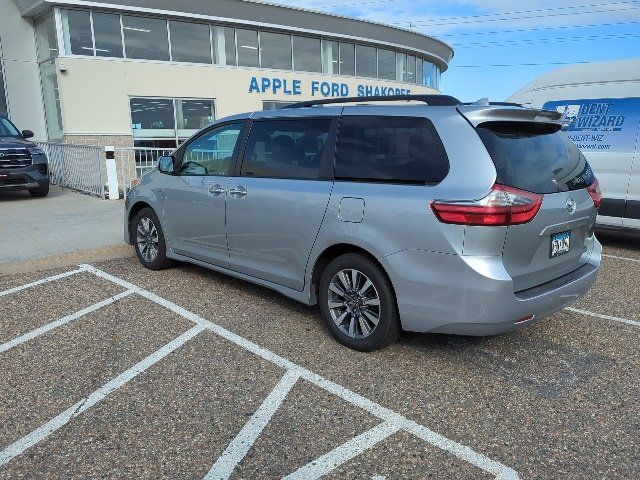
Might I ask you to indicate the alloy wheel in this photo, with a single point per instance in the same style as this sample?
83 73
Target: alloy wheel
354 303
147 239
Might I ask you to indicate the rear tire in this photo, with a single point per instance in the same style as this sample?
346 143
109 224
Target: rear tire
41 191
148 240
362 316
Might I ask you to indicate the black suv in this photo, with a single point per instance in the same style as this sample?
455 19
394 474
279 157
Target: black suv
23 166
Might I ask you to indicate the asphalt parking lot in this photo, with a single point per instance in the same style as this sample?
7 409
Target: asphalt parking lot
113 371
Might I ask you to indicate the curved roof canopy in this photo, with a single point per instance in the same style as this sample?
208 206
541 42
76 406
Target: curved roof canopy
271 16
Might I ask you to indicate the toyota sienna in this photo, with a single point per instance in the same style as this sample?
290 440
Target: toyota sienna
424 214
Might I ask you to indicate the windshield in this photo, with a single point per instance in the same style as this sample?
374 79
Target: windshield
7 129
534 157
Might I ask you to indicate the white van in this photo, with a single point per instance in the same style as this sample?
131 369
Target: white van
601 103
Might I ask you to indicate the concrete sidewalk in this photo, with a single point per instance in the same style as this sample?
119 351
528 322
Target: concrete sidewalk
62 223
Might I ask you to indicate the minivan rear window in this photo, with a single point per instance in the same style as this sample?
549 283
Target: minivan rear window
389 149
535 157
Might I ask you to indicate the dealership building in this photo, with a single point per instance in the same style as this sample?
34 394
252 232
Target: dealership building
149 73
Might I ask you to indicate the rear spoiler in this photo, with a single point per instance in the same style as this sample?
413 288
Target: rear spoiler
479 114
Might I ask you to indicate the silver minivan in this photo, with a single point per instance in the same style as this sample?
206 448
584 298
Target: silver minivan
423 214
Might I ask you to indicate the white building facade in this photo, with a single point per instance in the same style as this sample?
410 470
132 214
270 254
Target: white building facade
150 73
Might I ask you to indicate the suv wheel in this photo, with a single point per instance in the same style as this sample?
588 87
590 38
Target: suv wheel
41 191
149 241
358 303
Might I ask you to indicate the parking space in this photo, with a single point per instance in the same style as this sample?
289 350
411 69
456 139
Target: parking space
115 371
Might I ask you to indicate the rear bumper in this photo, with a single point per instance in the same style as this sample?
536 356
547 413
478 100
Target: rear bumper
461 295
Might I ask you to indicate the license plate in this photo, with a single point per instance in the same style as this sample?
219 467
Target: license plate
560 243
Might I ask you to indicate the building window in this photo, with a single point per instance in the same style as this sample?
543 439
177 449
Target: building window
275 50
401 67
306 54
51 98
168 120
330 57
347 59
145 38
107 34
366 61
192 115
3 99
76 28
190 42
419 74
431 75
386 64
248 55
46 38
411 69
224 45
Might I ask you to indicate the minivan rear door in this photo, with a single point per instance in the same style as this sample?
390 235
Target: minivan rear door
277 203
537 157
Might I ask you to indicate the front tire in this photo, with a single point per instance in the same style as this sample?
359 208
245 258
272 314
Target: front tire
358 303
41 191
148 240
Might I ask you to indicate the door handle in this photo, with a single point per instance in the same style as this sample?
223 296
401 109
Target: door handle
238 192
216 190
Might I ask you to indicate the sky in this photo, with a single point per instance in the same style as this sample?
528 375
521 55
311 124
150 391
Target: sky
530 37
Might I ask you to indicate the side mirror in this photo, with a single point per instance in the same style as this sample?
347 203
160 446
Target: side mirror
27 134
166 165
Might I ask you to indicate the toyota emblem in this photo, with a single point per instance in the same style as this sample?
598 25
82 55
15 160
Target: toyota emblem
571 206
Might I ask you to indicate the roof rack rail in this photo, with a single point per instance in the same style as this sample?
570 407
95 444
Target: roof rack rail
497 104
433 100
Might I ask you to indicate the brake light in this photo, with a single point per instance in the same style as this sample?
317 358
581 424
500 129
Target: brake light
595 192
502 206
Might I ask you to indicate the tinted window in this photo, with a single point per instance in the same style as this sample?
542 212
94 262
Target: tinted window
286 148
192 115
212 152
224 45
190 42
76 27
152 117
3 100
145 38
347 59
108 38
366 61
306 54
386 64
7 129
390 149
247 48
537 158
275 50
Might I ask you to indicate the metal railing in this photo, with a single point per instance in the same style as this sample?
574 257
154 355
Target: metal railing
135 162
78 167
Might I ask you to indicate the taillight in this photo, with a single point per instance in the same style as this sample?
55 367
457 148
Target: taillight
596 194
501 206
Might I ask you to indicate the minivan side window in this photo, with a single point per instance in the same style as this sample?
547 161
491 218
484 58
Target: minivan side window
212 152
388 149
286 148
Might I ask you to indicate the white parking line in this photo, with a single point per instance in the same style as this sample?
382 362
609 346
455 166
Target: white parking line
621 258
604 317
240 445
41 281
343 453
461 451
63 321
63 418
